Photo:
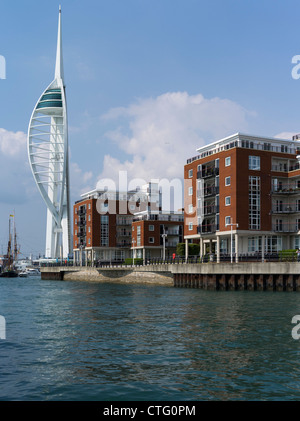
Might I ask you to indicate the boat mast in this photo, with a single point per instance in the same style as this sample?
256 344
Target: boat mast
15 241
9 246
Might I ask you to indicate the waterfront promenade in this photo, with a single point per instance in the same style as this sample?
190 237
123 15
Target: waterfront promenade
252 276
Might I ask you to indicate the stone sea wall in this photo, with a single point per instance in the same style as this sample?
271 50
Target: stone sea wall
108 275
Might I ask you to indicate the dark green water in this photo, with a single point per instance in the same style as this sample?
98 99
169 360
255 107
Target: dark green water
85 341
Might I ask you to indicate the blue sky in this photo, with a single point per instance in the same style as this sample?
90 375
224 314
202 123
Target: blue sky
147 83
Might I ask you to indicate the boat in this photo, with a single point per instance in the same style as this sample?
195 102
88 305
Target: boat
8 267
9 274
23 274
32 272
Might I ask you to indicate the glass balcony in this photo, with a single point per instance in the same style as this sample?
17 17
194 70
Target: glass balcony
207 229
208 172
285 227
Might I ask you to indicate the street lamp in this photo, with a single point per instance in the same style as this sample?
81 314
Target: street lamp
133 242
164 235
231 235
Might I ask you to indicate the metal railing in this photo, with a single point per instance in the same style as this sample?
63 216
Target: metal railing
285 256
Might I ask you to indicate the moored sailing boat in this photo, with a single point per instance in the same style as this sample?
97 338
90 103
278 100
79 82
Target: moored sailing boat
8 269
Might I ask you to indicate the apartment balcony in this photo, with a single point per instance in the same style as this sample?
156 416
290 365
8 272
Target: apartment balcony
286 227
124 244
172 232
285 167
209 172
159 217
124 223
171 244
285 190
124 234
207 229
285 209
210 210
210 191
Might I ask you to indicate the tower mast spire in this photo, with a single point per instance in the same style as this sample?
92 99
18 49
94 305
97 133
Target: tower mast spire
49 160
59 68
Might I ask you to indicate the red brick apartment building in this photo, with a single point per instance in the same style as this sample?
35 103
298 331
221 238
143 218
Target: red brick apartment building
156 234
102 223
242 196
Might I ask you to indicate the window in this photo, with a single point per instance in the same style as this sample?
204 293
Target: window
89 217
151 240
190 226
104 231
190 173
228 201
227 220
227 181
138 230
191 209
89 206
254 163
279 225
254 203
190 191
151 227
273 244
227 161
254 244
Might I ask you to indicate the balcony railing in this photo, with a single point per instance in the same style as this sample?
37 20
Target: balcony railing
285 167
210 210
172 232
210 191
285 190
209 172
285 209
286 227
207 229
159 217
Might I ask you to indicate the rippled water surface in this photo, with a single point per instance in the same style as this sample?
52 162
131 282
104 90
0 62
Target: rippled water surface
87 341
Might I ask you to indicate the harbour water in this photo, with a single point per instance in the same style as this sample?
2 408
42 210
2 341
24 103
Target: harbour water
70 341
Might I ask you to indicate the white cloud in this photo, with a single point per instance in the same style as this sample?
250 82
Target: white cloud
80 181
285 135
12 144
159 134
18 185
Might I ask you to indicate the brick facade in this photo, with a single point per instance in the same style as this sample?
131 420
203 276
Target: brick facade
233 181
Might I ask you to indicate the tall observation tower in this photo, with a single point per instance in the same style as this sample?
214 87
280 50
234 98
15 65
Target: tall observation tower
48 157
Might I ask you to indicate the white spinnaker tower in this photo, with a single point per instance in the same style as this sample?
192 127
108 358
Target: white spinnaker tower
48 157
